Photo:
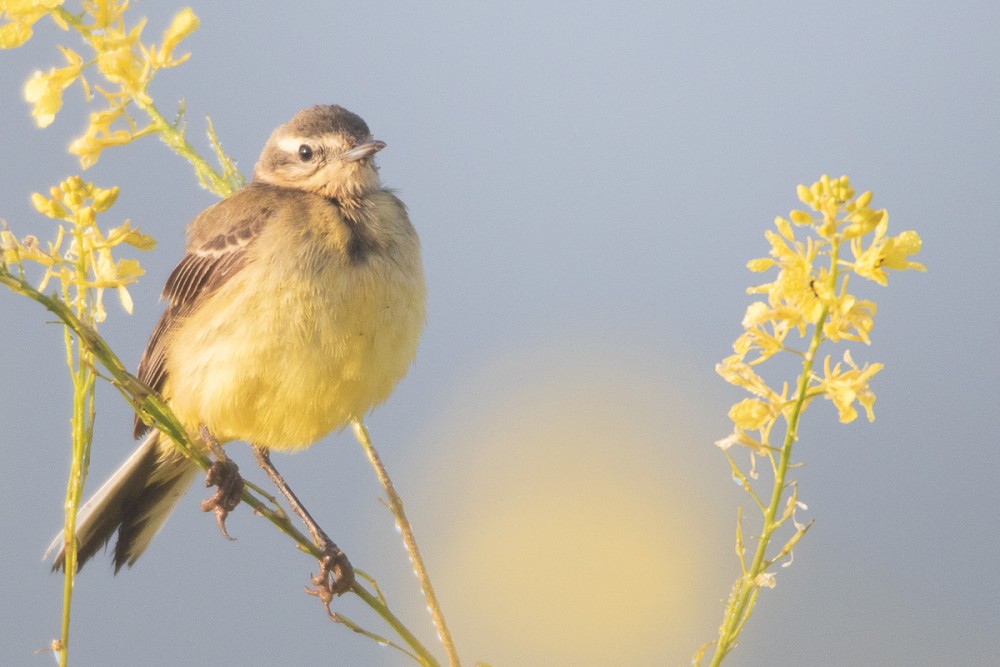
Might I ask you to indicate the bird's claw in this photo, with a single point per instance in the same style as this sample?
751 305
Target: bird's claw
223 474
336 574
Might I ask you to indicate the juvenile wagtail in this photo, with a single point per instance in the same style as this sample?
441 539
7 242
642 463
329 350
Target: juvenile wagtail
296 309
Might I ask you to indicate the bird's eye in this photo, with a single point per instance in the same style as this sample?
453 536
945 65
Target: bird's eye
305 152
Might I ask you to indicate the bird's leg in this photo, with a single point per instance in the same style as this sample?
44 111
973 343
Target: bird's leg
336 575
225 476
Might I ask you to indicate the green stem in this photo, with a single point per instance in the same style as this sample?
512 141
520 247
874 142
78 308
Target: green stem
425 657
396 507
80 363
745 591
351 625
739 602
178 143
82 432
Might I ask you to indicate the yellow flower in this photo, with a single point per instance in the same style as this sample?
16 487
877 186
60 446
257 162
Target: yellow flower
898 249
48 207
120 65
862 219
735 371
792 295
757 313
751 414
105 198
765 332
126 234
105 12
44 90
114 276
118 60
8 247
844 387
16 252
850 319
885 253
14 34
184 23
99 136
22 14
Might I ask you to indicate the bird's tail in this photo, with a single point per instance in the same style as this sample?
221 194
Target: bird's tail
135 501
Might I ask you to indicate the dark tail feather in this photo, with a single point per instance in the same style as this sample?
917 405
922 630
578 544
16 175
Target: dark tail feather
135 502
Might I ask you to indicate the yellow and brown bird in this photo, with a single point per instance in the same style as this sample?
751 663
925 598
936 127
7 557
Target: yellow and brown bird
296 309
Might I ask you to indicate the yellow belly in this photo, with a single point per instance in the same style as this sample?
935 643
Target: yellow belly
281 358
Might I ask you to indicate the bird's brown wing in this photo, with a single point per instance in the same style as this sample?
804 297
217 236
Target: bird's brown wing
219 240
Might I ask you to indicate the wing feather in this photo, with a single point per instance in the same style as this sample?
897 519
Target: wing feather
211 260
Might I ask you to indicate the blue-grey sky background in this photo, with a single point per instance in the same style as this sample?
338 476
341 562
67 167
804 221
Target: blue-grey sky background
588 182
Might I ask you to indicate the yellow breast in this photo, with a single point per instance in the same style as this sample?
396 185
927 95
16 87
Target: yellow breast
297 344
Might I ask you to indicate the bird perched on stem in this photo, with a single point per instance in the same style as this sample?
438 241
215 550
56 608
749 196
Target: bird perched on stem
296 309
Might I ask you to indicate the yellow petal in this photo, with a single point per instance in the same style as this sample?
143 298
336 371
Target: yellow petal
14 34
104 199
140 241
184 23
760 264
45 98
750 414
863 199
125 298
784 228
805 195
129 269
800 217
99 313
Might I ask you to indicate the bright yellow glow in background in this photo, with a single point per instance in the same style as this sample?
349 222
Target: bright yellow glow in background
580 514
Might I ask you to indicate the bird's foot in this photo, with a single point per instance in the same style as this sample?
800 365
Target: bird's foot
336 574
223 474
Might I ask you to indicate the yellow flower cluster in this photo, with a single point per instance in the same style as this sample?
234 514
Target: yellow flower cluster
86 263
123 61
810 296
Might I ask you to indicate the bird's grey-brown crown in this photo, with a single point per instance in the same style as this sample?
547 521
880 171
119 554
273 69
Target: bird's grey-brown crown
324 149
328 119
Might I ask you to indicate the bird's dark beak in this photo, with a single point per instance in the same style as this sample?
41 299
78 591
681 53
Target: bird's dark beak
361 151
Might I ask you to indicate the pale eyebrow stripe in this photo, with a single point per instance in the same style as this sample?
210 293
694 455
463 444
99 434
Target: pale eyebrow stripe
291 144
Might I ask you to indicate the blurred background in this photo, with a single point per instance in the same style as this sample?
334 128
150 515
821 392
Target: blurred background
588 184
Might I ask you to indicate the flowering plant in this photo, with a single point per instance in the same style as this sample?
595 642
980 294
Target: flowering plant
806 305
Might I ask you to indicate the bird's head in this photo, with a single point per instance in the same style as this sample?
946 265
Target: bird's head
326 150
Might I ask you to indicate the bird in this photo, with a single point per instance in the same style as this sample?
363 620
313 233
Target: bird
296 309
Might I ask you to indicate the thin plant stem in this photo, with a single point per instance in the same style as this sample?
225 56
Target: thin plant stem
83 380
745 593
178 143
396 507
79 360
337 617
